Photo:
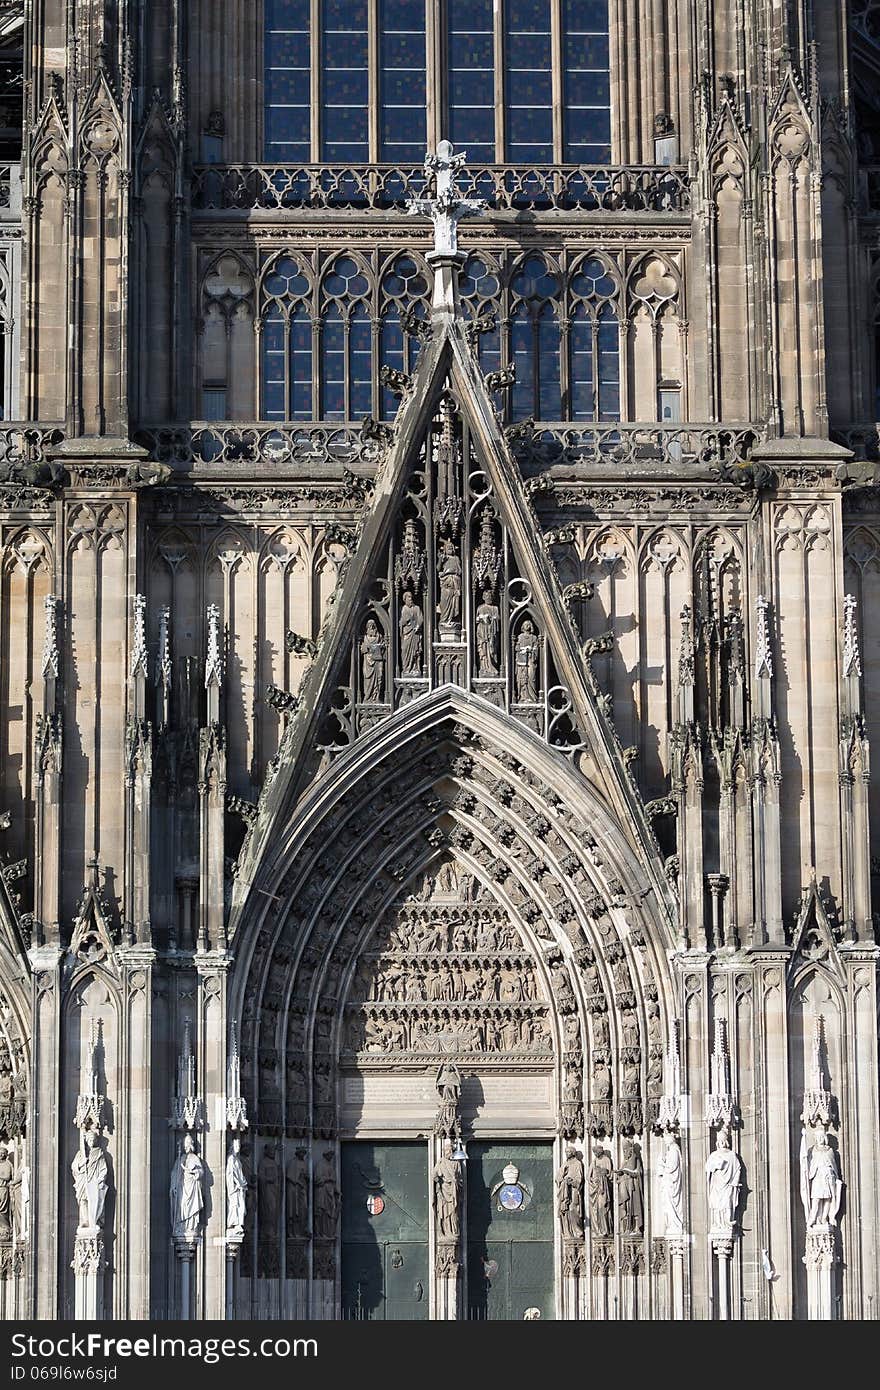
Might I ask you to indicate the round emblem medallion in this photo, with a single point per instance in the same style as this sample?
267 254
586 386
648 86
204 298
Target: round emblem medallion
511 1196
375 1205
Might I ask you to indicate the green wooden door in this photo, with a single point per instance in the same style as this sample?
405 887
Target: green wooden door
384 1231
509 1231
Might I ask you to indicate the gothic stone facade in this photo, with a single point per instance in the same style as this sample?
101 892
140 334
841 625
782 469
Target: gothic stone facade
491 793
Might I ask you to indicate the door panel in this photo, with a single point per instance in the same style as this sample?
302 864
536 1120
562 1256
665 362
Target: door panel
510 1251
385 1252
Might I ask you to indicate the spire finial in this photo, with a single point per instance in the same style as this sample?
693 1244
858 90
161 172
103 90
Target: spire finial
445 209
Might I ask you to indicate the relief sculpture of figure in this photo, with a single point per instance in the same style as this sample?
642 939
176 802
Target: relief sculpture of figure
373 663
631 1190
821 1186
187 1197
91 1179
570 1195
297 1180
488 630
670 1174
449 571
601 1204
411 622
526 663
7 1177
326 1196
447 1190
724 1178
236 1191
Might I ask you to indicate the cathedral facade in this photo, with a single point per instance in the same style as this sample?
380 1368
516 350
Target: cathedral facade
440 856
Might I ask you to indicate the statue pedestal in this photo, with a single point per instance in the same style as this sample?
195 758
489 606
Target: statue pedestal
820 1260
233 1250
574 1268
88 1266
185 1249
722 1248
448 1268
678 1247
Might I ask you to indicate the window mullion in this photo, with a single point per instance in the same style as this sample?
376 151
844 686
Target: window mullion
500 134
557 77
315 49
374 81
435 74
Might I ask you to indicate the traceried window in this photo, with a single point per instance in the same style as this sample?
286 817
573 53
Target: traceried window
403 292
329 322
511 81
534 342
287 344
346 342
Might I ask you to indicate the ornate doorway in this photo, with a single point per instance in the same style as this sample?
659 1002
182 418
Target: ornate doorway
385 1231
509 1232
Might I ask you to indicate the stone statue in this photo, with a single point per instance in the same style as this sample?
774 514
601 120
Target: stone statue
269 1194
90 1181
373 663
724 1178
411 623
326 1196
186 1192
601 1204
448 1085
488 631
671 1186
297 1180
446 1180
236 1191
526 664
631 1190
7 1177
570 1195
821 1186
449 575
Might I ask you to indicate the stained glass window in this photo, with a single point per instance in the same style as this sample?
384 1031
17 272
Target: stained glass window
287 79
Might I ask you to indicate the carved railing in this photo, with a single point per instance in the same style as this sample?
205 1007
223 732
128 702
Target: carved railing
10 191
864 440
869 190
23 443
635 445
589 188
261 442
306 444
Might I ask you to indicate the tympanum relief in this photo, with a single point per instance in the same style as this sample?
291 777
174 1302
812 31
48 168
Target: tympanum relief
446 971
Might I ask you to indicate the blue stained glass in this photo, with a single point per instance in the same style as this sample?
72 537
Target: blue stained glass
586 82
522 394
333 365
360 364
273 364
609 366
471 78
402 81
581 365
345 92
391 353
527 69
300 365
549 394
287 99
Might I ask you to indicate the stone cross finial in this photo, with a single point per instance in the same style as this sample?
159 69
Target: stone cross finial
446 208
